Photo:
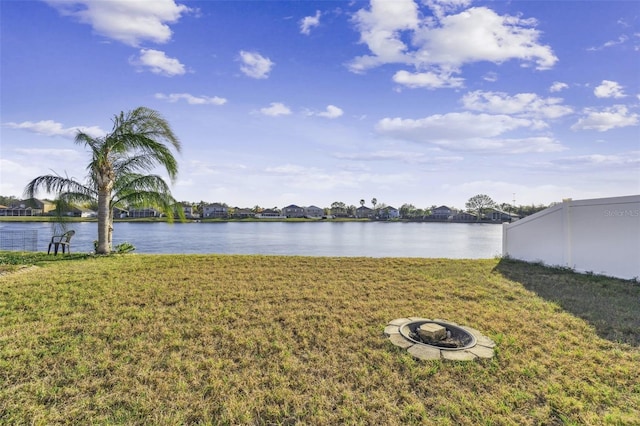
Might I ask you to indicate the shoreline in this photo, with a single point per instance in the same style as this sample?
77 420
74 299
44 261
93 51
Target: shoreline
14 219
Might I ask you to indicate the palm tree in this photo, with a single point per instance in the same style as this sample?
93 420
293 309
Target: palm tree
139 142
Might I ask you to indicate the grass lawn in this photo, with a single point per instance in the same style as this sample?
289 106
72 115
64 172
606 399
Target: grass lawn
209 339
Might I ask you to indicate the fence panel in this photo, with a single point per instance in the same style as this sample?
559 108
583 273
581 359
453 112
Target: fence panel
599 235
19 240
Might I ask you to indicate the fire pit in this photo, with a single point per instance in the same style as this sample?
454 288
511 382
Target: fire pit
437 339
443 335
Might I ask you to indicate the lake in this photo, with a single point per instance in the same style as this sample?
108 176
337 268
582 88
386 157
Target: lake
368 239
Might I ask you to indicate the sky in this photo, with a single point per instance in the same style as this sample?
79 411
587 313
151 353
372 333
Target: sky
426 102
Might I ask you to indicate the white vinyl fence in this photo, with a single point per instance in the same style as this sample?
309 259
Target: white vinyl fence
599 235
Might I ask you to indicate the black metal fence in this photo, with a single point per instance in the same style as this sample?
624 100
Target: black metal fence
19 240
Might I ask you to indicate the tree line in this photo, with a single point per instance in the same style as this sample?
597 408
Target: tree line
478 203
407 210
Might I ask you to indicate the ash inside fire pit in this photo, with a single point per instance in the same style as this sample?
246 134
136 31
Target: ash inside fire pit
439 334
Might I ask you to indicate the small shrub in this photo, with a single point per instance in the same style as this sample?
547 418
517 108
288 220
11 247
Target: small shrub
125 247
121 248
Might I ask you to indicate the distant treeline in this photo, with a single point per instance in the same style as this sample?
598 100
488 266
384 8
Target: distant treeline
406 210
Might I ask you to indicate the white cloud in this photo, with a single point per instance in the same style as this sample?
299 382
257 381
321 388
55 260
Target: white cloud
68 154
558 86
307 178
331 112
540 144
255 65
129 22
289 169
202 168
468 131
522 104
380 28
192 100
403 156
159 63
441 7
451 126
609 89
275 109
429 80
607 119
410 157
480 34
630 159
309 22
15 174
622 39
440 46
491 77
52 128
20 165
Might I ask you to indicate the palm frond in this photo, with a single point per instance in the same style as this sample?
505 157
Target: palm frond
146 122
94 144
139 182
144 137
152 124
133 164
164 203
135 190
138 191
55 184
155 153
78 197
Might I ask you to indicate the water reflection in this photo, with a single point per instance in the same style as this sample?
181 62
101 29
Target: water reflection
370 239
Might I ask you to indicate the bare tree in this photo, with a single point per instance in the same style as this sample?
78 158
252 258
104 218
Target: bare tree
478 203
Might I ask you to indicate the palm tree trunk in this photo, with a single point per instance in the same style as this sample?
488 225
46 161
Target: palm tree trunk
110 234
104 234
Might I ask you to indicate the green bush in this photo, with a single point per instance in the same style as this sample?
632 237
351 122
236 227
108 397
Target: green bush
121 248
125 247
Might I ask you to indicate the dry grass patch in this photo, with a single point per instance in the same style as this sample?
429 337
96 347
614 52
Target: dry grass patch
282 340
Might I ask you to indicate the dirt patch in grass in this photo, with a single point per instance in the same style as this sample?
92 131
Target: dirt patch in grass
296 340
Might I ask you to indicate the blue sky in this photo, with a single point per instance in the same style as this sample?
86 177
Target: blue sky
310 102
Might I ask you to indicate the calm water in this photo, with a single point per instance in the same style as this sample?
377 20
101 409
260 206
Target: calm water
370 239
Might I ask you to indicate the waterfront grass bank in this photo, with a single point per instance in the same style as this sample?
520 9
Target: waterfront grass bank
173 339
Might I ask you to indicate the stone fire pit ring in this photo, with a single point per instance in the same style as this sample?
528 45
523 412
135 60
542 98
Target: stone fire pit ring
474 345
